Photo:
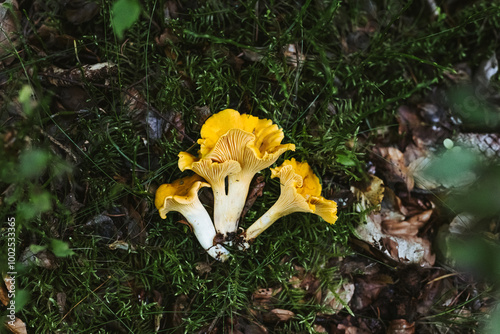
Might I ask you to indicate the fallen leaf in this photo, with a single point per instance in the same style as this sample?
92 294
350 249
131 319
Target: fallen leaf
203 268
61 302
43 259
395 168
371 195
336 301
9 30
463 223
319 329
404 247
4 295
460 74
256 189
135 226
179 310
17 326
253 56
4 290
265 298
202 114
367 290
81 11
401 326
170 10
486 70
74 98
48 38
167 38
407 228
277 315
104 227
122 245
293 56
72 203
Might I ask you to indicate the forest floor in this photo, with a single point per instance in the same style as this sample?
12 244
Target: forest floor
396 107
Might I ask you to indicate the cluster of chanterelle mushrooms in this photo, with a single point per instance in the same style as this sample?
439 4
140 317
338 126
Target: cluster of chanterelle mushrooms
233 148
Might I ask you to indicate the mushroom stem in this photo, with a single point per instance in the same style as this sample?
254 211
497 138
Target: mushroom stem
267 219
204 230
228 207
182 196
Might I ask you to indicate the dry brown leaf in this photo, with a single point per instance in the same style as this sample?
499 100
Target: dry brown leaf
319 329
135 102
265 298
309 283
368 289
355 330
251 55
9 27
122 245
425 125
277 315
48 37
74 98
463 223
336 301
61 302
408 228
44 259
166 38
17 326
179 311
4 290
401 326
256 189
71 203
135 226
396 170
4 295
293 56
403 246
81 11
370 196
202 114
203 268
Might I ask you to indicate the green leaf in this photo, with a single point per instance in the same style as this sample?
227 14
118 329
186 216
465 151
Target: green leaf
35 249
454 166
60 248
25 97
22 297
345 160
33 163
124 14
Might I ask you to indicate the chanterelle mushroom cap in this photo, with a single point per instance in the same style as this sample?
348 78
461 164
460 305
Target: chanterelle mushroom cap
182 196
300 192
171 196
229 136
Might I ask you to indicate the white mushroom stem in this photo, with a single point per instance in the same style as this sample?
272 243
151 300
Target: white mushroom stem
228 207
282 207
197 216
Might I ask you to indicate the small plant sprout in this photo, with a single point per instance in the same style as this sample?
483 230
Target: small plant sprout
300 192
182 196
233 146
